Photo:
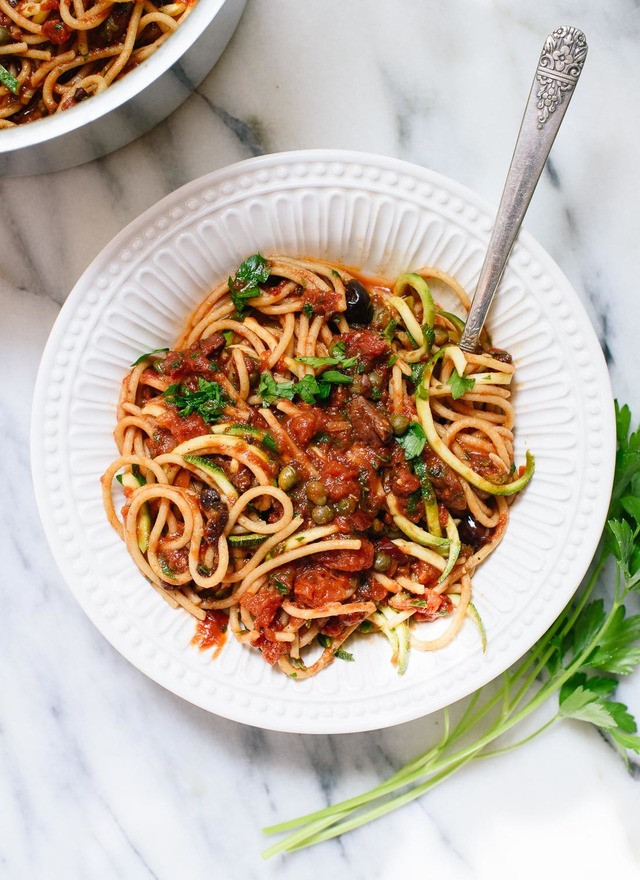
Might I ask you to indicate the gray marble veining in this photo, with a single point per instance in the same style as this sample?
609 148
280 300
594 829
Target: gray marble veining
103 774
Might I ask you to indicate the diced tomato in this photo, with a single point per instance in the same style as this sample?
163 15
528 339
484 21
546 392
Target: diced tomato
371 590
272 651
424 573
349 560
55 30
429 606
182 428
212 631
318 586
303 427
366 344
403 482
324 302
263 605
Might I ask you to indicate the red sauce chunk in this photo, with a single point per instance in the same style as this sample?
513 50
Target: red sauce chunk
211 632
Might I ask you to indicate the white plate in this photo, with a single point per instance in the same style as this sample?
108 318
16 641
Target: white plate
384 216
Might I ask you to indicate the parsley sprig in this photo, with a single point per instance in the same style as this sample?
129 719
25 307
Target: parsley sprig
413 441
244 285
578 662
337 358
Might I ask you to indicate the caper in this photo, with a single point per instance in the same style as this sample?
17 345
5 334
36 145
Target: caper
287 478
399 424
316 492
377 527
441 336
381 561
322 514
361 385
346 505
376 381
5 36
381 317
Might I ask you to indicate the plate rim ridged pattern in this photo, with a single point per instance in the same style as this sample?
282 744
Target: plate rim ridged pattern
378 201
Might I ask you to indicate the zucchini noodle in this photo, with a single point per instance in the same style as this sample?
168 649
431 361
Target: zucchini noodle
316 457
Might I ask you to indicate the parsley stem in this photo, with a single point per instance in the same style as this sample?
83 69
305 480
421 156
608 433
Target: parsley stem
521 742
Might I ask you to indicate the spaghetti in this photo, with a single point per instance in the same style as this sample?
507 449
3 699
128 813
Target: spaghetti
56 53
315 457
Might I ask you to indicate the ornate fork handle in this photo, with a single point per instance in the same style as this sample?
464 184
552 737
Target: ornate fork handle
559 68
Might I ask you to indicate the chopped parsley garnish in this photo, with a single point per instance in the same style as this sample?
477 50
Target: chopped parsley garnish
208 401
166 570
270 390
365 627
149 354
341 654
335 378
252 272
413 441
307 308
280 586
309 389
325 641
460 384
338 358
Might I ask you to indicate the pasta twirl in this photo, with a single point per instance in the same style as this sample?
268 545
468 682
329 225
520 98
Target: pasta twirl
316 456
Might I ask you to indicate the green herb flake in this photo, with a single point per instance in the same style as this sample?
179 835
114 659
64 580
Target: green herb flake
341 654
336 378
209 401
460 384
307 308
324 640
280 586
270 390
148 355
244 285
413 441
578 664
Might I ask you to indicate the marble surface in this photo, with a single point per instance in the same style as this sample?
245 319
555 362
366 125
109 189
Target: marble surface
103 774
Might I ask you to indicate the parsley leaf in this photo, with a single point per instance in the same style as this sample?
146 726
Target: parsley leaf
149 354
310 389
578 662
280 586
270 390
252 272
460 384
413 441
341 654
335 378
337 358
208 401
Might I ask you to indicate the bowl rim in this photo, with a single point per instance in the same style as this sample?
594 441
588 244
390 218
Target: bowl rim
325 715
50 127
